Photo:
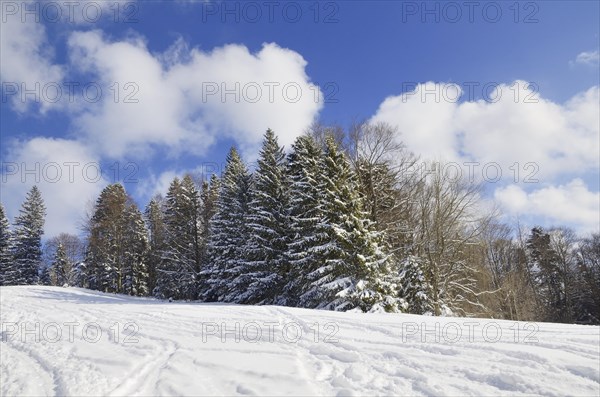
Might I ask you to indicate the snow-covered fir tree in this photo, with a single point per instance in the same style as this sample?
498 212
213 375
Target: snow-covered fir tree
228 231
5 246
80 275
354 272
305 213
209 194
181 264
414 289
135 271
45 275
105 241
58 269
154 216
116 244
263 267
545 273
27 246
74 249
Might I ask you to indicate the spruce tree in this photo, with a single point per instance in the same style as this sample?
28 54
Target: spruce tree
167 272
305 213
74 249
414 289
195 245
209 194
354 273
5 248
154 216
59 266
27 251
105 242
45 275
228 231
117 245
81 277
135 253
264 266
543 265
181 263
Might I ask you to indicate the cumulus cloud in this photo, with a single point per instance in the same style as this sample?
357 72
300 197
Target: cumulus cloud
426 117
26 63
158 183
188 99
28 71
182 100
570 204
589 58
516 125
68 174
517 134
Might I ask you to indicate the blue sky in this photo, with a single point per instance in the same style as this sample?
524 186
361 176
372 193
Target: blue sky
361 56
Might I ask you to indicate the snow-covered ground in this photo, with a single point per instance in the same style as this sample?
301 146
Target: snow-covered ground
67 341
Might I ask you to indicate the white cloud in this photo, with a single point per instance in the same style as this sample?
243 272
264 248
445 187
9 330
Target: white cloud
27 66
66 172
171 108
157 184
590 58
515 125
426 118
519 126
572 204
182 100
26 61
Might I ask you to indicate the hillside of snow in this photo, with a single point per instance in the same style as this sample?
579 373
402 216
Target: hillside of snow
67 341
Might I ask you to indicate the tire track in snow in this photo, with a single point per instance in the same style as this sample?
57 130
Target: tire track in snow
147 373
58 387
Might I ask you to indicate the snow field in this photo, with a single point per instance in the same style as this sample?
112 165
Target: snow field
67 341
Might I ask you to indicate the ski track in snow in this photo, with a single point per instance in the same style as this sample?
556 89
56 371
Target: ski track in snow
371 354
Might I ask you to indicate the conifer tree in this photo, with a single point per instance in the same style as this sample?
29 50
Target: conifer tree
105 242
154 215
209 194
264 267
305 213
228 231
181 264
543 265
27 251
414 289
117 245
135 253
74 249
5 247
45 275
354 272
81 276
59 266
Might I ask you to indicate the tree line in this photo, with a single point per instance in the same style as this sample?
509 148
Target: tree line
338 223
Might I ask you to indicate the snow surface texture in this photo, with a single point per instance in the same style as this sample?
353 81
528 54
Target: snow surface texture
178 349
